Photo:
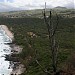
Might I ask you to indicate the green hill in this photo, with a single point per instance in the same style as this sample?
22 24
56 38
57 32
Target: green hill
23 27
35 13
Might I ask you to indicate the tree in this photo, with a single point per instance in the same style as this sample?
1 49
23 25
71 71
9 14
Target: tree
53 43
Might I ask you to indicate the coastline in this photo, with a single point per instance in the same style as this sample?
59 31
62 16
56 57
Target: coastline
7 31
19 69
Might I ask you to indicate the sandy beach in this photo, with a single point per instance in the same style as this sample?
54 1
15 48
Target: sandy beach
8 32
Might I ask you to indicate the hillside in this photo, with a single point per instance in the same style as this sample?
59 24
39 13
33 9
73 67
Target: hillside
24 27
37 13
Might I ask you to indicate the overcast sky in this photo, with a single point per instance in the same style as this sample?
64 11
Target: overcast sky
34 4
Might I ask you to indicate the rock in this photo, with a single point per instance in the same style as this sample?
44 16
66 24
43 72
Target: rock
11 58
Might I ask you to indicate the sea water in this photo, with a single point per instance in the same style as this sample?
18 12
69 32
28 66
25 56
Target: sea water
5 49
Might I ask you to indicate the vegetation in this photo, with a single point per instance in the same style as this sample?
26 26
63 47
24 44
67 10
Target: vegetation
32 35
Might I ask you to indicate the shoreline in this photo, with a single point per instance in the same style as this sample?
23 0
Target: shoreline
7 31
19 69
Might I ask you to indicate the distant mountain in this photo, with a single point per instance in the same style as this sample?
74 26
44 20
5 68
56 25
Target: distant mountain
60 8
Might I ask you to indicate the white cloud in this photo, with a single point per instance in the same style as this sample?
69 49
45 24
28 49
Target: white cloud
19 3
37 4
53 3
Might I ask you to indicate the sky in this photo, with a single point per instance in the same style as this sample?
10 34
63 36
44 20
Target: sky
34 4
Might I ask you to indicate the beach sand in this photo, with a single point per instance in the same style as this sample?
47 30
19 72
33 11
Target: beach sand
8 32
18 70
